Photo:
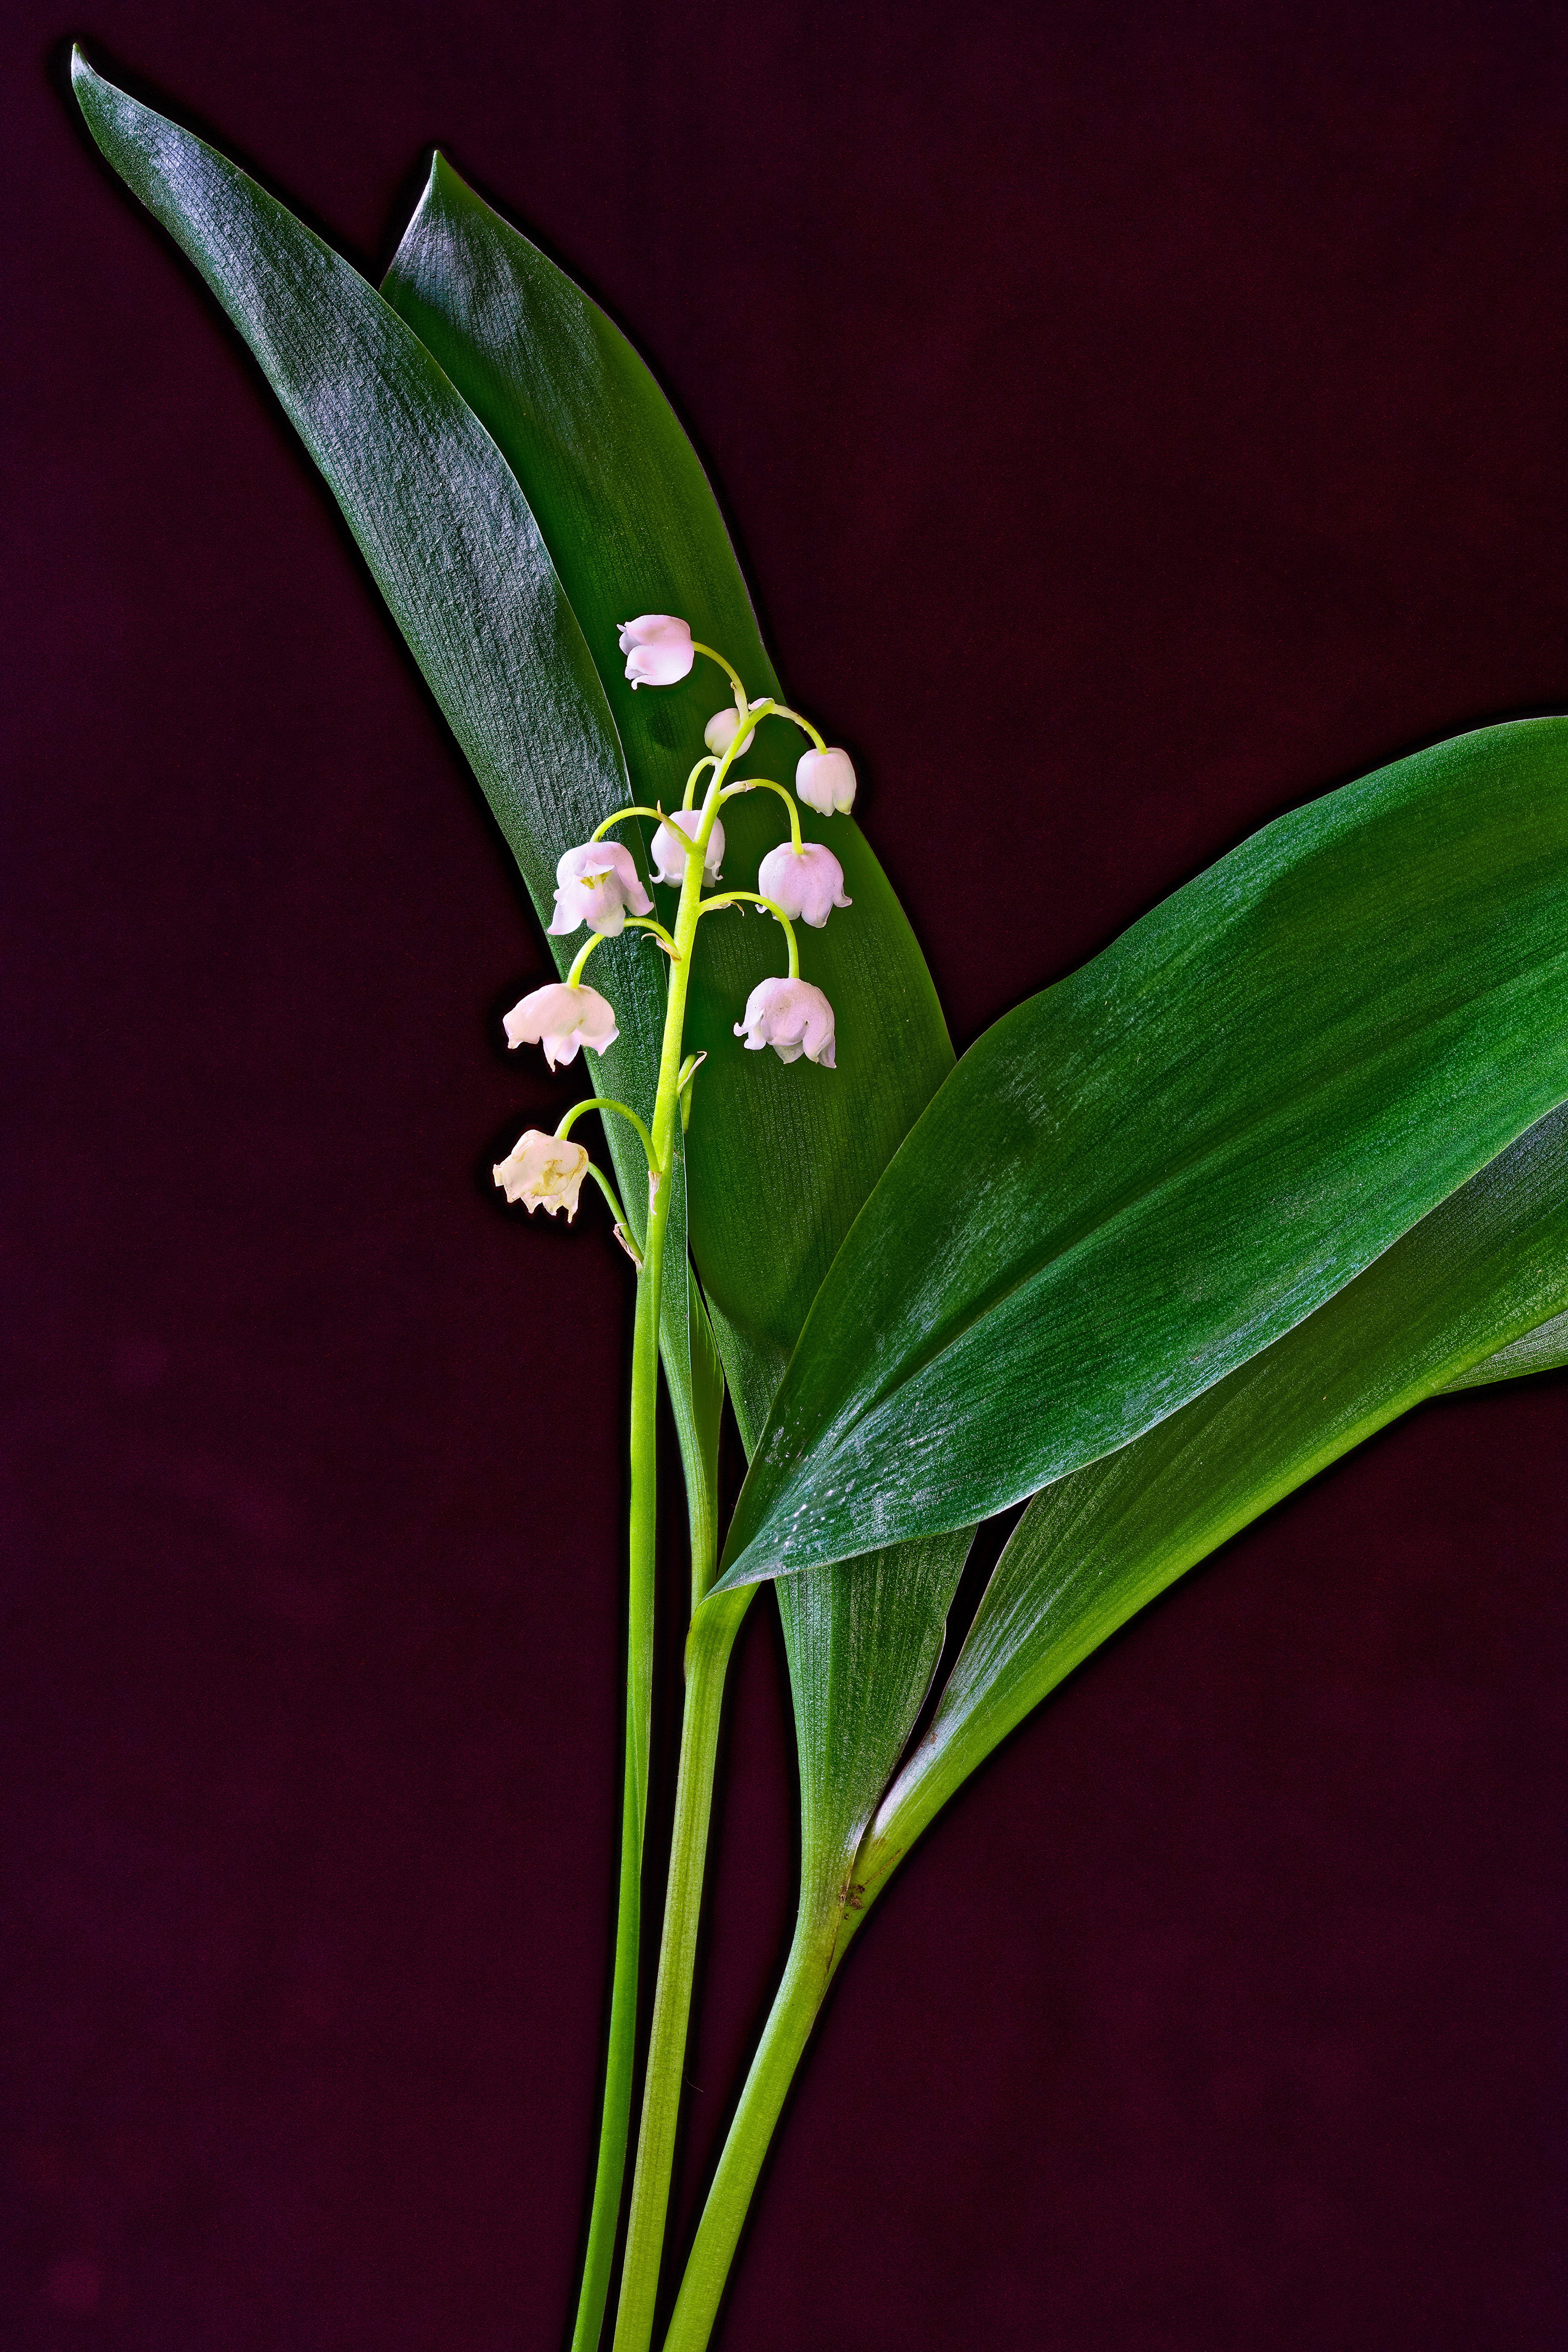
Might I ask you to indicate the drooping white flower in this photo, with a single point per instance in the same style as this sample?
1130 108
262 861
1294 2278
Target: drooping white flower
793 1017
595 885
808 883
544 1172
670 858
658 648
719 732
560 1019
825 780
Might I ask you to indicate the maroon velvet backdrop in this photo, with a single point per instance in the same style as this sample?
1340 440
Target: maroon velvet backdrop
1135 421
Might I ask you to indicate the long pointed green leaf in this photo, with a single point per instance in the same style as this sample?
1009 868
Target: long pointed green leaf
452 545
1487 1269
1152 1171
780 1158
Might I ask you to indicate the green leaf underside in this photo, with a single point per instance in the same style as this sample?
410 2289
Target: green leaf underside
780 1158
1486 1271
453 547
1150 1172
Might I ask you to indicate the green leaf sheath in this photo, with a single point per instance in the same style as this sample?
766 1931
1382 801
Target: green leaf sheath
1481 1273
780 1158
1147 1174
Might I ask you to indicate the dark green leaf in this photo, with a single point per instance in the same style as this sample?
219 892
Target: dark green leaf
454 548
1147 1174
780 1158
1485 1269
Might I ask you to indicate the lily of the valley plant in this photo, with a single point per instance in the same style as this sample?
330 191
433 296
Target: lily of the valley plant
1287 1158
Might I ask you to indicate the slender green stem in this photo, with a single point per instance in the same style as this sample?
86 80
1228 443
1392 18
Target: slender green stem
710 760
620 817
766 785
783 710
610 2170
807 1974
755 898
732 673
580 960
712 1636
607 1102
623 1230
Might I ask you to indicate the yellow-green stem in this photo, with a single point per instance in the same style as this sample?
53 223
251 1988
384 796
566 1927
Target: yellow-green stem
610 2169
708 1652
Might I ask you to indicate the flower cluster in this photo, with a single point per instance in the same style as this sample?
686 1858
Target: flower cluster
598 885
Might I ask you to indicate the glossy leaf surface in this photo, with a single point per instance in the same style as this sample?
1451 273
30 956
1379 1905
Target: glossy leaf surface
780 1158
1154 1170
1485 1270
455 553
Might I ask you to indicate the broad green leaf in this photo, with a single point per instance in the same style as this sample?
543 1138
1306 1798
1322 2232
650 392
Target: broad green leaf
1487 1269
1154 1170
455 550
780 1159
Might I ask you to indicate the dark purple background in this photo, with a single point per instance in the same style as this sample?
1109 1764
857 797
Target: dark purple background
1135 421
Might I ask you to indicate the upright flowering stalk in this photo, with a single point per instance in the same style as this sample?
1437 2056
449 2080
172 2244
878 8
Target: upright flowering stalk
598 885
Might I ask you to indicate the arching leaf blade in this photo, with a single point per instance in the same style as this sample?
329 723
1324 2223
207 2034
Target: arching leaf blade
1152 1171
1484 1271
780 1158
455 550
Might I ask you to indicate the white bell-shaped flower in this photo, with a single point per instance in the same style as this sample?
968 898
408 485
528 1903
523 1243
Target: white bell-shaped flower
560 1019
597 885
659 649
670 859
544 1172
719 732
793 1017
808 883
825 780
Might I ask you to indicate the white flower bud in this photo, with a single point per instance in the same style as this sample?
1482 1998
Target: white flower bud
659 649
807 884
825 780
595 885
544 1172
668 857
560 1019
719 732
793 1017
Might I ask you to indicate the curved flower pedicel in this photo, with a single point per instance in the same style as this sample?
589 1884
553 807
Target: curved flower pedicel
597 885
807 882
793 1017
542 1171
561 1017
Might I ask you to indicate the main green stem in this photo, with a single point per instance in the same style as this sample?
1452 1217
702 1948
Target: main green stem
814 1958
833 1908
708 1651
610 2169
